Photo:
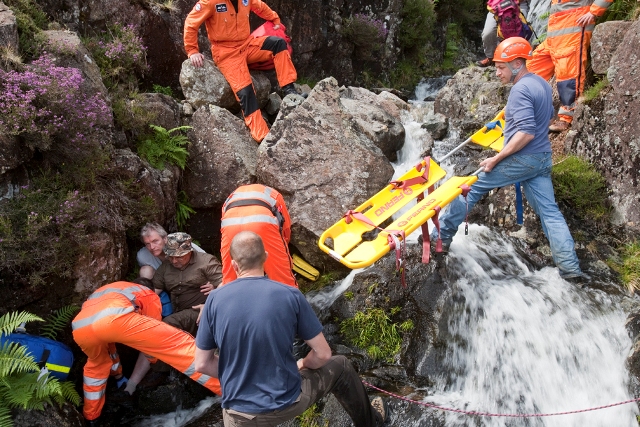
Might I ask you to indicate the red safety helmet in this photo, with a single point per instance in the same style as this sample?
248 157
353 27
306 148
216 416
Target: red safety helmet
512 48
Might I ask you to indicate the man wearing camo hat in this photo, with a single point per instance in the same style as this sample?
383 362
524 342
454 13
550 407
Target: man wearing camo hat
188 276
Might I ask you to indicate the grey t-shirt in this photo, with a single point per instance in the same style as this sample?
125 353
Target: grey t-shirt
145 257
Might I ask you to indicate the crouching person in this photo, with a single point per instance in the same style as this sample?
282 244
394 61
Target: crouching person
129 314
252 322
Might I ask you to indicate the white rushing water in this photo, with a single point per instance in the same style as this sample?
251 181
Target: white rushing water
526 341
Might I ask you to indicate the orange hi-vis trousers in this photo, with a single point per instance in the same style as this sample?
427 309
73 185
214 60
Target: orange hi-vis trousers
564 51
252 208
127 313
232 61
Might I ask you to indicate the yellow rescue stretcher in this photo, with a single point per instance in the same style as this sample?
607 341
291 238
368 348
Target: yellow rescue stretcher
345 240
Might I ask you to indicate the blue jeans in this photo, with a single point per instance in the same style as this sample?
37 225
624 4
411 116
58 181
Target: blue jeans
533 171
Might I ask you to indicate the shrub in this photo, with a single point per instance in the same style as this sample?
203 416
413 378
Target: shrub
31 20
45 103
366 32
374 331
165 90
22 385
416 28
627 10
120 55
577 183
163 147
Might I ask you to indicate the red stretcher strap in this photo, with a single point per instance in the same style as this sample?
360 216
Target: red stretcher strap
421 179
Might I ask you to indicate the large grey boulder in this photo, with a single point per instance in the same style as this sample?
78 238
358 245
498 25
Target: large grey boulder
471 98
207 85
163 110
376 116
70 52
103 261
222 157
317 156
159 185
8 28
604 43
608 131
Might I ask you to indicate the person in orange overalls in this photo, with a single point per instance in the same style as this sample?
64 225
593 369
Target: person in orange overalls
130 314
232 48
564 51
260 209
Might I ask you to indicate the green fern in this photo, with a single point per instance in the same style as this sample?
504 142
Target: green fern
58 321
14 360
183 210
163 147
22 384
10 321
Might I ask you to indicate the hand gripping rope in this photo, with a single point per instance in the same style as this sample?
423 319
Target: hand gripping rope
489 414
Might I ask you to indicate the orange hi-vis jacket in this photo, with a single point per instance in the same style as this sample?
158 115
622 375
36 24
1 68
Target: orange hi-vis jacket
564 51
130 314
233 47
262 210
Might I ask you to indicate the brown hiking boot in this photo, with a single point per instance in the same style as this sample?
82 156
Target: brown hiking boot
380 407
486 62
559 126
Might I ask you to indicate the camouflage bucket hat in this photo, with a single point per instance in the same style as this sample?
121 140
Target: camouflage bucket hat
178 244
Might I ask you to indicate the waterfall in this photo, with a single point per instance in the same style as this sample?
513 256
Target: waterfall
521 341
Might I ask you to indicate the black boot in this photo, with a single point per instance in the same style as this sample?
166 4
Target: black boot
289 89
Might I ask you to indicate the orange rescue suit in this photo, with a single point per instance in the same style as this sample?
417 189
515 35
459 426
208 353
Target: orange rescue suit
262 210
564 51
232 48
130 314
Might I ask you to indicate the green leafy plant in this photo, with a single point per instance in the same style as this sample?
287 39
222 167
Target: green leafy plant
311 417
415 31
58 321
627 10
183 210
22 385
581 186
165 90
593 92
163 146
374 331
31 20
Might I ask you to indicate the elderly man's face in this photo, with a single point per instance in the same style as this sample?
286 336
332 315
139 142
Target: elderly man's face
180 262
154 243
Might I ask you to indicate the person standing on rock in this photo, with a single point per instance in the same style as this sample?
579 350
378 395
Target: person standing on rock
564 52
232 48
246 339
525 158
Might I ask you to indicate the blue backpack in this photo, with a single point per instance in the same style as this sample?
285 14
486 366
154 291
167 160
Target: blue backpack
55 356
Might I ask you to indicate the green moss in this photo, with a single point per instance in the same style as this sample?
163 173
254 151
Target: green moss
165 90
374 331
581 186
348 295
593 92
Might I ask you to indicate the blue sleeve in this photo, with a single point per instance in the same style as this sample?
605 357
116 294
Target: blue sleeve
522 109
205 339
308 324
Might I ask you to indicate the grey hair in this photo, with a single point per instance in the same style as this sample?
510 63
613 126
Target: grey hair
152 226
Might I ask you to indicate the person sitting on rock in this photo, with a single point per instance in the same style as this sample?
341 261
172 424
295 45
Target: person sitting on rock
260 209
150 257
490 38
188 277
232 48
128 313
